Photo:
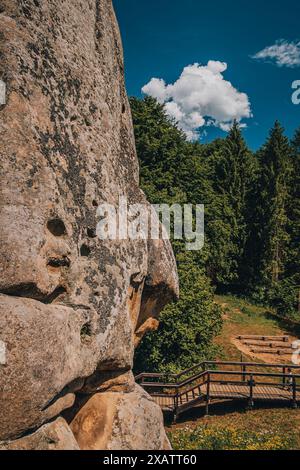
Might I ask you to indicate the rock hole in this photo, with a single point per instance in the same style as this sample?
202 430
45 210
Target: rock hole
123 109
91 232
134 283
86 330
56 227
85 250
95 203
59 262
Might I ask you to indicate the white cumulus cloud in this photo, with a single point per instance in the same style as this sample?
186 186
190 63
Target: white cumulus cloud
283 53
200 97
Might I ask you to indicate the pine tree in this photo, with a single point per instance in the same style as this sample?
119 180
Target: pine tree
234 177
293 263
293 268
272 206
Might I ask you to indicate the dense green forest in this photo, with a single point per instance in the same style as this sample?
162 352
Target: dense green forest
252 228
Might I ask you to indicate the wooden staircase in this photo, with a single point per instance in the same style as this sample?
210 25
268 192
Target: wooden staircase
279 345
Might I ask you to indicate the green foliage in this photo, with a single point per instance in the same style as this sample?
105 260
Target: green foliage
293 261
167 163
232 178
252 227
218 175
275 230
272 199
186 328
283 296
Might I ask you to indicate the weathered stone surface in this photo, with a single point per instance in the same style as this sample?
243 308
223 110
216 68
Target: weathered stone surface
120 421
53 436
71 306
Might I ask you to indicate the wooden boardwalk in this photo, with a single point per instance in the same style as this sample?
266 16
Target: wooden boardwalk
227 392
252 382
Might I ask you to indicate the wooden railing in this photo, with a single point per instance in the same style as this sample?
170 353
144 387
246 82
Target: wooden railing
178 392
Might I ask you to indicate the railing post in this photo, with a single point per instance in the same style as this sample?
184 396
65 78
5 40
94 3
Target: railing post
284 376
207 395
244 371
294 393
176 401
251 385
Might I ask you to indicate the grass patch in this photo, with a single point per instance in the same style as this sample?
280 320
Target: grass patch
243 318
217 438
252 430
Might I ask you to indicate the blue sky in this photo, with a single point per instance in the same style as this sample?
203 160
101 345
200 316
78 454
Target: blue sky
161 37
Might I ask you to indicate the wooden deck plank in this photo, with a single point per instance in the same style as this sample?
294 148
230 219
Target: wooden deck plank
263 338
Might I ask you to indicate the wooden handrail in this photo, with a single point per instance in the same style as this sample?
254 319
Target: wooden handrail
244 374
193 387
256 374
216 363
216 372
175 385
253 364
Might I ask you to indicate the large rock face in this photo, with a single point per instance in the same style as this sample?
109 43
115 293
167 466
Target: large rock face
72 306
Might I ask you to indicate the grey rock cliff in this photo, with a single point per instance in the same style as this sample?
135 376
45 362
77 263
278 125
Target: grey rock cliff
72 307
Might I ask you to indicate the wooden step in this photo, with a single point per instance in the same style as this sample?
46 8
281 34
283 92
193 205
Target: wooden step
280 352
272 344
284 339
